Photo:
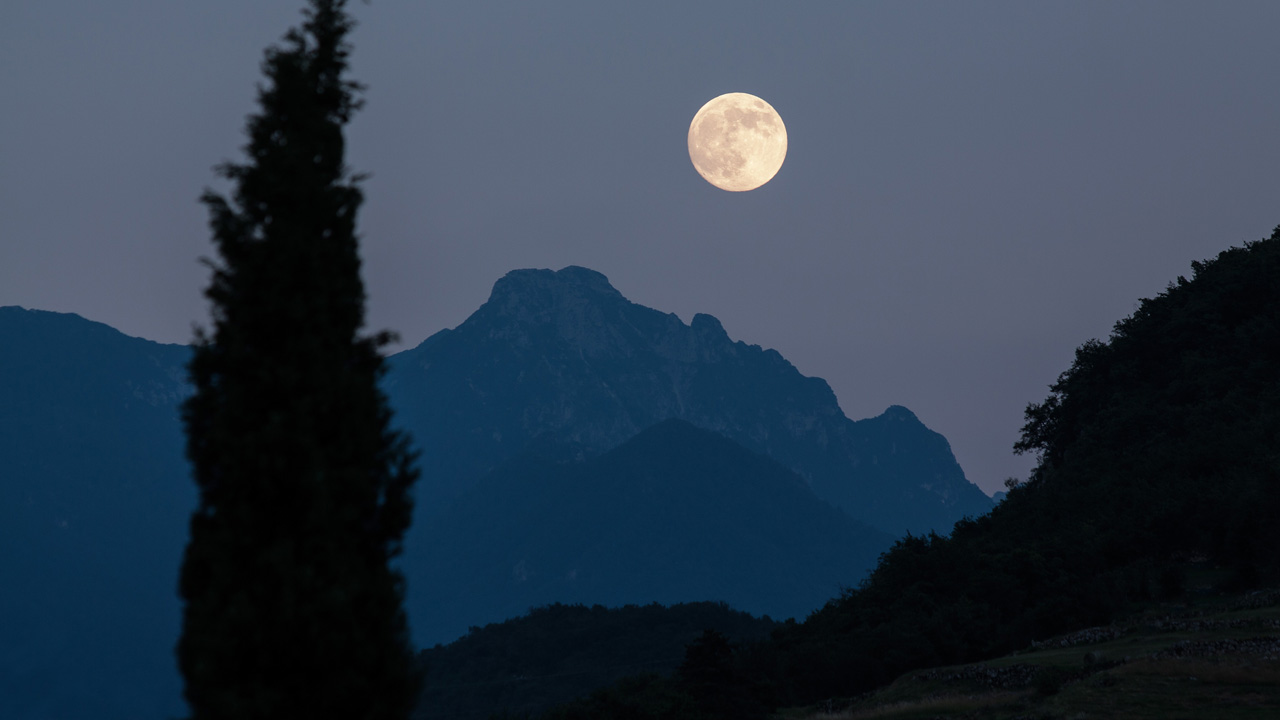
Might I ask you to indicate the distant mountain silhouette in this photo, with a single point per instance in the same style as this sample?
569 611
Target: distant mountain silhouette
95 492
563 355
94 503
675 514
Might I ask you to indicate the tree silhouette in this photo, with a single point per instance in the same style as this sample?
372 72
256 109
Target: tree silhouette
291 607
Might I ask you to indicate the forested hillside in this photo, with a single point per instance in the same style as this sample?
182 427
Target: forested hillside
559 652
1158 447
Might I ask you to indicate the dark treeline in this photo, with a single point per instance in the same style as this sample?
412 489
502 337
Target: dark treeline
1158 446
559 652
709 684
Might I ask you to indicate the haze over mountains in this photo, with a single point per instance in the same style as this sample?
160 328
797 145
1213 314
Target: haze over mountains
545 479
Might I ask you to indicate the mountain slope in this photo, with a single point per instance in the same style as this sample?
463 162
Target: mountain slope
563 354
1157 452
94 501
675 514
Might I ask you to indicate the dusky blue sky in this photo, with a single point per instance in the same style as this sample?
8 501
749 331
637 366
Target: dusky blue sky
971 190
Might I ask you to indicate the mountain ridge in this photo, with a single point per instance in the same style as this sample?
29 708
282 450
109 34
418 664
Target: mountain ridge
97 485
94 503
565 353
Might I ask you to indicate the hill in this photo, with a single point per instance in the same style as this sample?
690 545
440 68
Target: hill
560 652
676 514
1155 447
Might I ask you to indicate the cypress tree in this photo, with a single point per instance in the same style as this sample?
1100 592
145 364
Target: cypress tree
291 606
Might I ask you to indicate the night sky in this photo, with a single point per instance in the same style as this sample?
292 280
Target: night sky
971 191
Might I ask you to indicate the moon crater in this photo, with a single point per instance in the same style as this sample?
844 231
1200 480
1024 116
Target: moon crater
737 142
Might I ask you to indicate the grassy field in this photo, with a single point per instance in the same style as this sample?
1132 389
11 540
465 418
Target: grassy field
1213 658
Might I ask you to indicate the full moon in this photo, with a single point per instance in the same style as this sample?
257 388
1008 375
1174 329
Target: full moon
737 142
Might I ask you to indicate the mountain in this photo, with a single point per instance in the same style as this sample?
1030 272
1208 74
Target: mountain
1155 492
95 492
94 502
675 514
564 355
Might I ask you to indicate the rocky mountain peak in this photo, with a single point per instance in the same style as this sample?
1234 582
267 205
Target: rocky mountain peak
564 357
542 287
574 304
899 414
707 327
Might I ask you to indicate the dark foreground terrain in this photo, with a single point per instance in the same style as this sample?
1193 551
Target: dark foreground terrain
1216 657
